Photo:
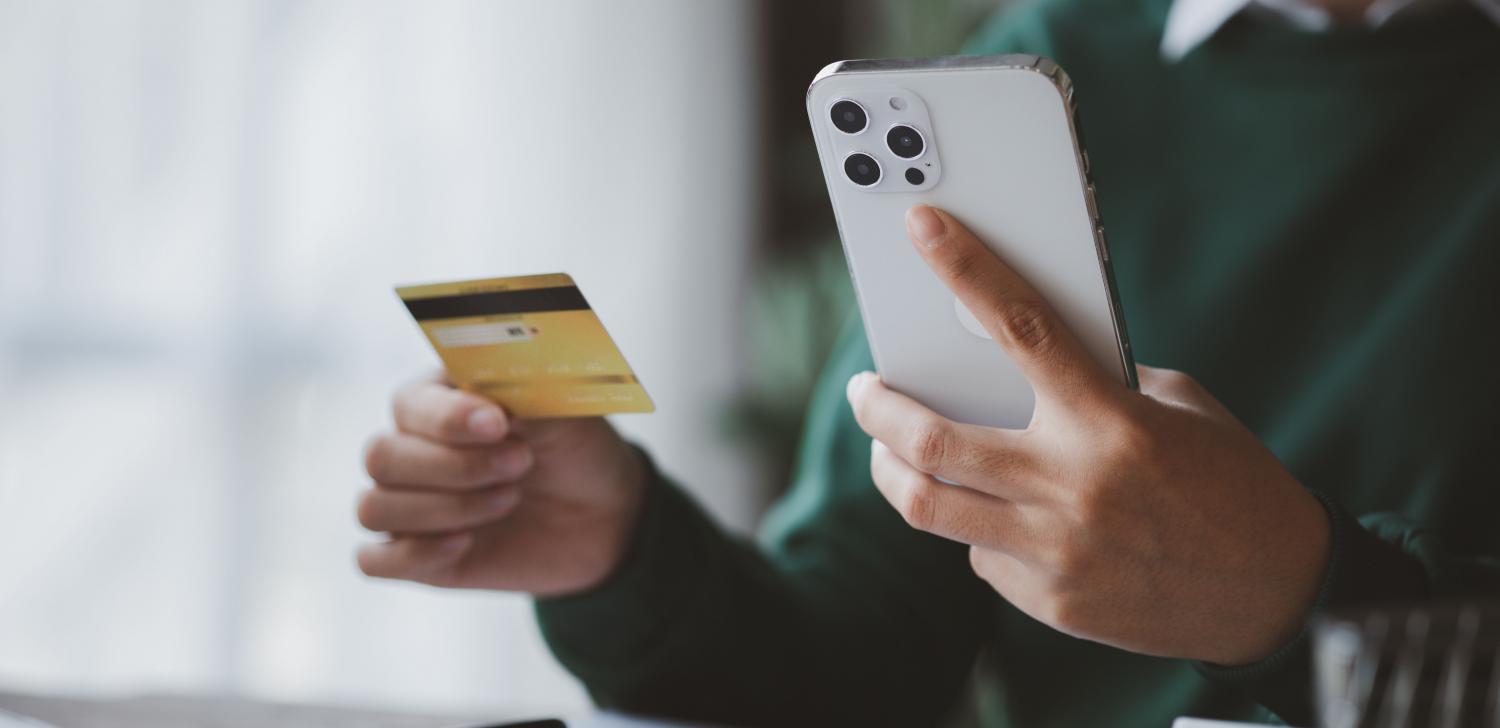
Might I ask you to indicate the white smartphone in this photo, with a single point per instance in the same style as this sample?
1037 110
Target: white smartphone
990 139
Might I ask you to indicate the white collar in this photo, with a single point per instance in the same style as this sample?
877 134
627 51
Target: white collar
1191 22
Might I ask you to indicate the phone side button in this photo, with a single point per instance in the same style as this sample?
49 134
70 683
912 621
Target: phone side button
1102 243
1093 202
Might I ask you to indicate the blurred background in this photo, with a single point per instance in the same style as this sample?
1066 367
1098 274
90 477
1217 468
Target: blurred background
203 208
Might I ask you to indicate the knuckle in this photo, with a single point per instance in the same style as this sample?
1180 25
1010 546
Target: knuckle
1062 613
1176 379
1091 504
931 444
965 263
1027 325
1069 561
1097 506
1181 382
474 469
1001 463
918 504
979 561
453 420
1130 439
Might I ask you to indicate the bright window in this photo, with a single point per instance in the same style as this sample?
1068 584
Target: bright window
202 209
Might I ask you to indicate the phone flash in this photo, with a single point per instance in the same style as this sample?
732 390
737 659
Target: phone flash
898 103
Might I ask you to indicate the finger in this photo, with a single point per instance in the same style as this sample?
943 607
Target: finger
416 512
988 459
396 459
416 558
951 511
1169 385
1014 313
432 409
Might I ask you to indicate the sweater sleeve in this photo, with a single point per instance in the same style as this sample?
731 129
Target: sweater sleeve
1377 559
841 615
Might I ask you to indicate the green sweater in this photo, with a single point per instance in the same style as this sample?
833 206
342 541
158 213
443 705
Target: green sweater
1309 225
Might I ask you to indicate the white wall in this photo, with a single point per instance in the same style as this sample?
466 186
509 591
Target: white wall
203 206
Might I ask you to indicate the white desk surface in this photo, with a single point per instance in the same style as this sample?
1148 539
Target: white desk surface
185 711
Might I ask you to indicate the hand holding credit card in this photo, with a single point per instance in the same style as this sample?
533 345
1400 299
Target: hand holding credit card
530 343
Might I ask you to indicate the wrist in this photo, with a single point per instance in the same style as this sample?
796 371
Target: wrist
1294 590
606 537
635 476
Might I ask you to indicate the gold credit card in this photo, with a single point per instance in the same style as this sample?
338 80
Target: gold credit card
530 343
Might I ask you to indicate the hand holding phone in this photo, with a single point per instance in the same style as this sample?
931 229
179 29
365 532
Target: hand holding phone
1149 520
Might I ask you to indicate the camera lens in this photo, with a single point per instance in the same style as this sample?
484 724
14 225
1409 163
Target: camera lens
849 117
904 141
862 169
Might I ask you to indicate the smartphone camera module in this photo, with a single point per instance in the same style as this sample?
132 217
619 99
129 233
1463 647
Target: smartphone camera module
862 169
880 138
905 142
849 117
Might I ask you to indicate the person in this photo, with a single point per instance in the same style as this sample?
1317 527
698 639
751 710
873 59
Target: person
1303 203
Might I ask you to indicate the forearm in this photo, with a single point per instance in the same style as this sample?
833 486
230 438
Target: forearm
699 625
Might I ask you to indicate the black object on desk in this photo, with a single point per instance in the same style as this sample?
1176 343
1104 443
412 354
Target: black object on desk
1429 667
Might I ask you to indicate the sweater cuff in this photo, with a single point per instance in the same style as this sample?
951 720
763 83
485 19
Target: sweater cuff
625 622
1362 570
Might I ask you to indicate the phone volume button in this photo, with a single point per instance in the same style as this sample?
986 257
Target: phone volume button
1092 201
1102 243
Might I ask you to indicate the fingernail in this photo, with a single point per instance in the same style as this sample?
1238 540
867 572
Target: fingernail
486 423
925 225
511 461
856 383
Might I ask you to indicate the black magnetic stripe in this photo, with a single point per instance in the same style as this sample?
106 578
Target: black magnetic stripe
529 300
596 379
